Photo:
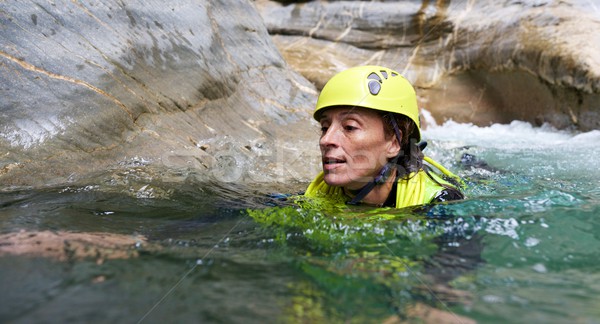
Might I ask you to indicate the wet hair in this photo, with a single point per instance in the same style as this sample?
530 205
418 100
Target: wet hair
410 157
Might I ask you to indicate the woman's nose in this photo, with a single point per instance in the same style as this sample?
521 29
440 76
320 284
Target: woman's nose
330 138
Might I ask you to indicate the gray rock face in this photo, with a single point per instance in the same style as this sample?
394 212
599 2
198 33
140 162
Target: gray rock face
185 85
472 61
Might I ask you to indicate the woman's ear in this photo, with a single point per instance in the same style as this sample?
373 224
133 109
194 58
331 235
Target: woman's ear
393 148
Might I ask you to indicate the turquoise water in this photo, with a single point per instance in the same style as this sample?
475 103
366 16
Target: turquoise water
522 248
541 265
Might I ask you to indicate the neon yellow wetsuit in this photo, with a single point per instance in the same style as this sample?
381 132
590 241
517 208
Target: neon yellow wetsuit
419 188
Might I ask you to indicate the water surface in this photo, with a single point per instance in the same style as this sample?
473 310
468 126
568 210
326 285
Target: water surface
522 247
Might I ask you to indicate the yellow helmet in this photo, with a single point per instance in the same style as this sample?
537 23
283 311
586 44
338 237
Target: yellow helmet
373 87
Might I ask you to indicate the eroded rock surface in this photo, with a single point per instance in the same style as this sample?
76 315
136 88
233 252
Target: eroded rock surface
472 61
186 89
199 90
64 246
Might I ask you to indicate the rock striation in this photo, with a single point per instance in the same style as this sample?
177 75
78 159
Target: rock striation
472 61
185 89
114 93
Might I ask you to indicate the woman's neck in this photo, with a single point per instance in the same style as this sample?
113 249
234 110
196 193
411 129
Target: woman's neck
380 193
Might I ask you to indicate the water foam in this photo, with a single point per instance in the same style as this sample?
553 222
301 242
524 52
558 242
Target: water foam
521 147
509 136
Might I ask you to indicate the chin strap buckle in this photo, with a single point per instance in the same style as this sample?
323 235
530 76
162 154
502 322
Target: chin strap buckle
380 179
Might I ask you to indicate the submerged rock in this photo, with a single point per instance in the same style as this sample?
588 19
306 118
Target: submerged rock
65 246
189 89
482 62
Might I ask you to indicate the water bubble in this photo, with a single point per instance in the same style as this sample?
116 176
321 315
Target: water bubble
505 227
539 267
379 230
145 192
531 242
492 299
103 213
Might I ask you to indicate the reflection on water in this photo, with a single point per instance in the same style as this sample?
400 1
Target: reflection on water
130 248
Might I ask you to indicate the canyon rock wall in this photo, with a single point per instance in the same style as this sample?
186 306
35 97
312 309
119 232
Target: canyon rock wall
472 61
222 91
174 90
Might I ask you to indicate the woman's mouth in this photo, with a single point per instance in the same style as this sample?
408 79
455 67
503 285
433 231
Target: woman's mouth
330 163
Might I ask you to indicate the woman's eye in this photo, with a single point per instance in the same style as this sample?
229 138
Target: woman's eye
324 129
350 128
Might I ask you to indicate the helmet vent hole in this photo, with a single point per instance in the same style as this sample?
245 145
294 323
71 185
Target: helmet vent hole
375 83
374 76
374 87
394 74
385 76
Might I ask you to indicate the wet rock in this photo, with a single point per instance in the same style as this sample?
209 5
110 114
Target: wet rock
183 87
426 314
65 246
480 62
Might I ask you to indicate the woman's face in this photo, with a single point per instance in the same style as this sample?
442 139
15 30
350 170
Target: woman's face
353 145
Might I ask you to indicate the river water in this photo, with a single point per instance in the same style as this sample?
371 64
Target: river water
521 248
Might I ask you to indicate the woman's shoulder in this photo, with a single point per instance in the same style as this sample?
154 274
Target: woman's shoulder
448 194
440 188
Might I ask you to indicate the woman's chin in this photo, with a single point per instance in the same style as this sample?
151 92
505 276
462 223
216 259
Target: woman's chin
338 180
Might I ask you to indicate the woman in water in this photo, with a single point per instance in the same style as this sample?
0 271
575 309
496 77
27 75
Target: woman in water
370 143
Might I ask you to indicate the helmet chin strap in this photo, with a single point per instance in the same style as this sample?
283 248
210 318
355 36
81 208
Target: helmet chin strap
384 173
378 180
